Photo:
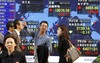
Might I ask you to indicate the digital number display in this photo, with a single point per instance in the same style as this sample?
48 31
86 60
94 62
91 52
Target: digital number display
33 25
28 48
88 47
7 13
88 6
59 8
79 26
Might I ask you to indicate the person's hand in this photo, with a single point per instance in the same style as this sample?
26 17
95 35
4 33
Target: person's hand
24 24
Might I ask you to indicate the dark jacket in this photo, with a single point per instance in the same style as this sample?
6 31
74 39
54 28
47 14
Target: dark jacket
4 52
15 57
42 53
63 45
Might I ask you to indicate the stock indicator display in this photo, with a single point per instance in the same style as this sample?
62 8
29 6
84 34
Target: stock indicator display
88 6
79 26
33 25
28 45
7 13
88 47
59 8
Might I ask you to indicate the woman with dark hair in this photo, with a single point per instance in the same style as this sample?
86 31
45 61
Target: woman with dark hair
63 43
12 55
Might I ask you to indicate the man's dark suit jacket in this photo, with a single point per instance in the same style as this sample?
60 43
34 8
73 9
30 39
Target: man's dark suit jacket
18 48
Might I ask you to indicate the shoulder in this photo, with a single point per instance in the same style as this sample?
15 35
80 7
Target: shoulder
1 34
14 31
47 36
7 34
64 40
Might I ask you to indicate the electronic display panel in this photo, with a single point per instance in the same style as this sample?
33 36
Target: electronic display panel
32 6
88 6
28 45
59 8
82 17
7 13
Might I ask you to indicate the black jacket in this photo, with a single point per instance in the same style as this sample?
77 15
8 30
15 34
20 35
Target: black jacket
63 45
42 53
15 57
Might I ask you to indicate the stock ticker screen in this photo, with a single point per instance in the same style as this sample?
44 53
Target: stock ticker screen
7 13
82 17
59 8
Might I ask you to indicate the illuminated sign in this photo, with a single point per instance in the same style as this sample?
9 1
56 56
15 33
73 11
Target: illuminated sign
32 6
33 25
79 26
28 45
59 8
54 45
7 13
88 6
88 47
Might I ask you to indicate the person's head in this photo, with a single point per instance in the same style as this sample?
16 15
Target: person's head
63 31
10 26
10 43
43 26
18 24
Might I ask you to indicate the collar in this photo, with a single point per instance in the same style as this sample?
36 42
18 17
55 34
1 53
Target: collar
12 54
9 31
17 32
41 35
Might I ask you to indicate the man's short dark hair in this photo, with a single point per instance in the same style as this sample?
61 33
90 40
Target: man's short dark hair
16 22
9 24
44 22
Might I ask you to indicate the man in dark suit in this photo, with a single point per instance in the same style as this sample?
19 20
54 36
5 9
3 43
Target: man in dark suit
18 25
10 28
